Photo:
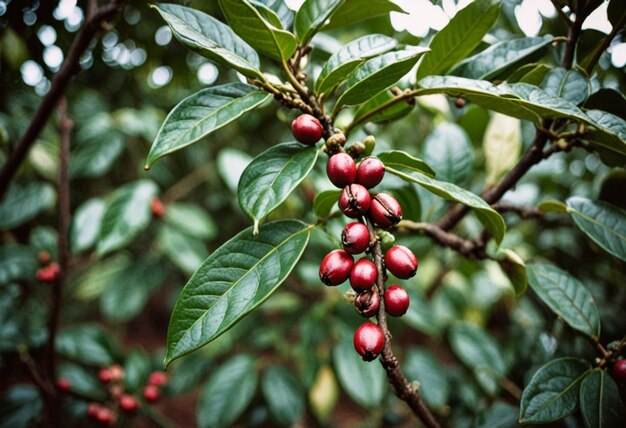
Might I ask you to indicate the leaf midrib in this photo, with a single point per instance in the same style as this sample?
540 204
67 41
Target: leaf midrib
559 395
602 225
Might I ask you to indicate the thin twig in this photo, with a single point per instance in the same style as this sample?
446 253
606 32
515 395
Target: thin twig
562 13
521 210
471 249
605 44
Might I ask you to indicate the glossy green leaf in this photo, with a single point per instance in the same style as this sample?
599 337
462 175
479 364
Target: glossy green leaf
448 151
490 218
571 85
232 282
324 202
99 276
353 11
480 352
375 112
498 415
211 38
17 263
502 144
228 392
345 60
268 14
378 73
281 10
137 368
600 402
515 269
83 381
460 37
250 25
400 159
410 202
23 202
86 344
20 405
608 100
502 58
604 223
284 395
421 365
95 157
552 206
311 17
126 215
552 393
608 132
565 296
86 224
616 13
202 113
187 252
271 177
530 73
191 219
364 382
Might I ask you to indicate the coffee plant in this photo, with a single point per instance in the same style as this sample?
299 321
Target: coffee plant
345 224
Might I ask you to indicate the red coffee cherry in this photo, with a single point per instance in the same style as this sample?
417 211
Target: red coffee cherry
355 237
307 129
157 378
105 416
401 262
157 208
341 169
151 393
385 210
63 384
354 200
396 300
370 172
335 267
105 375
363 275
92 410
44 257
619 371
128 403
369 341
367 303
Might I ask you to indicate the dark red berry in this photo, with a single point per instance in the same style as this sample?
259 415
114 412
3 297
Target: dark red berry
459 102
354 200
151 393
157 207
128 403
619 371
401 262
363 275
341 169
396 300
307 129
385 210
367 303
105 416
44 257
44 275
335 267
370 172
105 375
157 378
63 384
355 237
92 410
369 341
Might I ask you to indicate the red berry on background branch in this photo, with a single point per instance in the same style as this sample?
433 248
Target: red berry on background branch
341 169
128 403
157 207
369 341
44 257
355 237
401 262
151 393
363 275
92 410
335 267
396 301
307 129
367 303
385 210
157 378
105 416
619 371
370 172
63 384
354 200
105 375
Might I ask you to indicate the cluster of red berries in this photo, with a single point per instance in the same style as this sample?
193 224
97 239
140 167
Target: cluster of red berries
49 271
381 210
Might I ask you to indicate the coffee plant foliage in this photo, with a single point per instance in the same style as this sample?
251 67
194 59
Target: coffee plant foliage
197 221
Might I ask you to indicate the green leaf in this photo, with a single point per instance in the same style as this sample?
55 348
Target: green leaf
248 23
604 223
490 218
345 60
403 160
210 38
448 150
362 381
571 85
187 252
17 262
97 148
83 381
284 395
202 113
609 131
324 202
552 206
500 59
86 224
86 344
268 14
497 415
422 366
552 393
389 113
608 100
353 11
228 392
281 9
515 269
600 402
616 13
232 282
530 73
478 351
566 297
460 37
311 17
378 73
23 202
127 214
98 277
271 177
410 202
502 144
191 219
20 405
137 368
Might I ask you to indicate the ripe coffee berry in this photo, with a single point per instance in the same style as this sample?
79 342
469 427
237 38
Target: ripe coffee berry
105 375
307 129
151 393
157 378
396 301
370 172
369 341
128 403
157 208
105 416
363 275
355 237
401 262
367 303
44 257
92 410
354 200
335 267
341 169
385 210
63 384
619 371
